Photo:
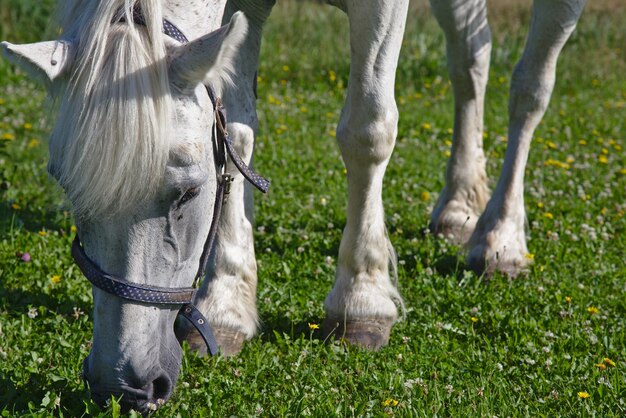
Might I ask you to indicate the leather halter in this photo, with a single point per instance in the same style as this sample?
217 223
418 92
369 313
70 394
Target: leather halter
223 148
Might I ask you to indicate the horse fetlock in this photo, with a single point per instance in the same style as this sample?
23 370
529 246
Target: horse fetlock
457 212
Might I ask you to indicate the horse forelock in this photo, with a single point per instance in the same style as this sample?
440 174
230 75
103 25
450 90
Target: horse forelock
110 143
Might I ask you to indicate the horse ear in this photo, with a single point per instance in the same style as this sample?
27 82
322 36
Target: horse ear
50 59
209 56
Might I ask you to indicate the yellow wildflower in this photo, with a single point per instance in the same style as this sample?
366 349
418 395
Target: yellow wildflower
55 279
313 326
332 76
8 137
548 215
592 310
15 206
473 319
28 126
73 229
539 205
529 256
390 402
583 395
603 159
43 233
568 299
33 143
447 153
609 362
582 142
286 68
426 126
425 196
601 366
622 171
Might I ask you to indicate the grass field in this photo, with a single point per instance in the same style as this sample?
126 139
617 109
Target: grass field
549 344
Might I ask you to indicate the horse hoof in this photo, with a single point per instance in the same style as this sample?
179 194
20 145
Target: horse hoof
229 341
511 268
371 334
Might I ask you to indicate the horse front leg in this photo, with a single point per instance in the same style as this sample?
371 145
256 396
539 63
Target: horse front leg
227 297
362 306
468 47
499 241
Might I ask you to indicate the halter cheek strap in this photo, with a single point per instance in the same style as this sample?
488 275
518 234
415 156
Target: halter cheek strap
223 148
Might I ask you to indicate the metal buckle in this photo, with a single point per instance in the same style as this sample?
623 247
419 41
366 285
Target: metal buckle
227 179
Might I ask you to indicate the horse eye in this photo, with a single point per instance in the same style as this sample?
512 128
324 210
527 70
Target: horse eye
189 194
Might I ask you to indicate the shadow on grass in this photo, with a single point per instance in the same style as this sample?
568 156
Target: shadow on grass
32 219
29 397
16 302
279 325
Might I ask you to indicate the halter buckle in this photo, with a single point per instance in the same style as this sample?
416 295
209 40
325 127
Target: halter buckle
227 179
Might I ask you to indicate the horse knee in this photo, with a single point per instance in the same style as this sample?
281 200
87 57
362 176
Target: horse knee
368 137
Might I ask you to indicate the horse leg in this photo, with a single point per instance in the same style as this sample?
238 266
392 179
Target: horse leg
228 295
499 241
361 307
468 46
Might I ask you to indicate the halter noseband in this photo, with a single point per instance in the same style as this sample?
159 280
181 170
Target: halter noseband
223 149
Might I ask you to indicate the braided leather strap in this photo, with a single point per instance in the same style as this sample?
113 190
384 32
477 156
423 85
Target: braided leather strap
131 291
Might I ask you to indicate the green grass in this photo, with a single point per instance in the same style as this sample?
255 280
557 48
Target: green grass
467 347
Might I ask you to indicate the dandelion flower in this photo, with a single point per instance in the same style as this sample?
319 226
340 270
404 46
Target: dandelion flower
548 215
609 362
473 319
592 310
313 326
425 196
583 395
8 137
568 299
390 402
43 233
601 366
55 279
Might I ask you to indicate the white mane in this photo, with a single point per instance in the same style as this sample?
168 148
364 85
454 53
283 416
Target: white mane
109 146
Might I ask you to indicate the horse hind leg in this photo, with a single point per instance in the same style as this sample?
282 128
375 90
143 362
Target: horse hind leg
468 46
499 241
362 305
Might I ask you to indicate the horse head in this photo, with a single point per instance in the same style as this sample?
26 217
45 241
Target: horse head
132 147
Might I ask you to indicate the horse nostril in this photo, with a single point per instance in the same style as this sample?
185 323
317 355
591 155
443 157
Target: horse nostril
161 389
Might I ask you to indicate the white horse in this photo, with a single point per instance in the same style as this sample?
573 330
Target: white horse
131 147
